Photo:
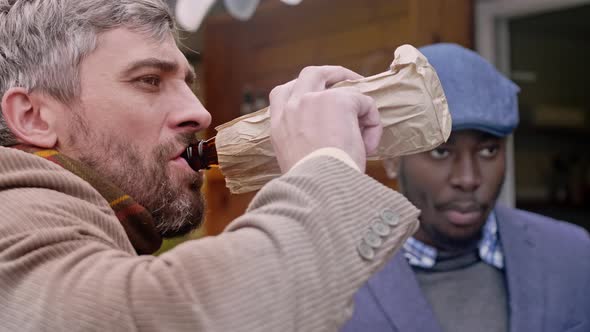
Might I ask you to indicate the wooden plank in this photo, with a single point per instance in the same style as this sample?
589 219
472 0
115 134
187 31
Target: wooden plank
457 25
223 82
448 21
324 49
318 17
366 64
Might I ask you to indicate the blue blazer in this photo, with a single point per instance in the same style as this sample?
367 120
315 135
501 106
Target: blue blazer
547 268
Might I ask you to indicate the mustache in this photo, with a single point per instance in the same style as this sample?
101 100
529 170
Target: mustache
167 149
187 138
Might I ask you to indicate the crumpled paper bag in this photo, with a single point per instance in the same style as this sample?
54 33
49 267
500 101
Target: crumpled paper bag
410 100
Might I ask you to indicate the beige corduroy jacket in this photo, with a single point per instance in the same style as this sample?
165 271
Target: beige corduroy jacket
291 263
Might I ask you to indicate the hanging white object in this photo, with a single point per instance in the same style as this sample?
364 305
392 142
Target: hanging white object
241 9
292 2
190 13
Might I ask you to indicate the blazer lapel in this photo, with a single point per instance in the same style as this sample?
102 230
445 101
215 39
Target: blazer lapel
399 295
524 275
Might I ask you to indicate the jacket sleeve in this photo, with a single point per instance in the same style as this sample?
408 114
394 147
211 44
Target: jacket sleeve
292 262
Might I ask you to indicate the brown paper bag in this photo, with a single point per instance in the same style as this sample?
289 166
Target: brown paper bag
411 102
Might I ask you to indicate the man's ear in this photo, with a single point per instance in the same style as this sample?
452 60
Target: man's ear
30 118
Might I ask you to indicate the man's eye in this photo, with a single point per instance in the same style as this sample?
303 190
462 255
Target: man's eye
439 153
150 80
488 152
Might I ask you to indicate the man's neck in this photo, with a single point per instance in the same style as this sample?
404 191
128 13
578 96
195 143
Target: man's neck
448 247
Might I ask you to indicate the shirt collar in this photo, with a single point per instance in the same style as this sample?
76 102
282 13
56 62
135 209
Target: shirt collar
424 256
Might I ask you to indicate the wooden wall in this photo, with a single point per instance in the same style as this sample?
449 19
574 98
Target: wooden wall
280 40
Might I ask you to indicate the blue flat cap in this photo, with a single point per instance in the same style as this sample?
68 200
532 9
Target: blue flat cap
479 97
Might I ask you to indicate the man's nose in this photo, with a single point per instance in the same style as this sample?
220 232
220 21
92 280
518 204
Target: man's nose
189 112
466 175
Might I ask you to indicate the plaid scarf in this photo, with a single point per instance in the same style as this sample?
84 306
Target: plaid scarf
136 220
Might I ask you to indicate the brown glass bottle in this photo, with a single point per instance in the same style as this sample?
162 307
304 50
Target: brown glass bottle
201 155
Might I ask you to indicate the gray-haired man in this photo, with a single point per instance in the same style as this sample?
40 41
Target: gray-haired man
96 110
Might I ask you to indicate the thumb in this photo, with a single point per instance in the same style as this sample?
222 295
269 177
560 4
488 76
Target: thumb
370 124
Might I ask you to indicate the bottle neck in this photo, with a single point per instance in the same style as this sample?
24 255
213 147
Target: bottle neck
201 155
208 152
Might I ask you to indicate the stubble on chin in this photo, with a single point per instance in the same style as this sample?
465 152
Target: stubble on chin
179 207
175 202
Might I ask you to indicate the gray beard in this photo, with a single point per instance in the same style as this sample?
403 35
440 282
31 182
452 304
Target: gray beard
177 209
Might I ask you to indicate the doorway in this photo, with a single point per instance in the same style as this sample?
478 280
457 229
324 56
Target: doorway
543 46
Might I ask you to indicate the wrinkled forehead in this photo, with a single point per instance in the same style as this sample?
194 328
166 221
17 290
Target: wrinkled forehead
131 41
121 46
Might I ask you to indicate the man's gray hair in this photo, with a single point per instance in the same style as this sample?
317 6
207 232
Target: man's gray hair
42 42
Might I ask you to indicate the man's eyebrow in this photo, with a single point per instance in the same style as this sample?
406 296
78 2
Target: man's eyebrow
162 65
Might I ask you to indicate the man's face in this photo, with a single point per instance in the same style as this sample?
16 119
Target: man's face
135 117
455 186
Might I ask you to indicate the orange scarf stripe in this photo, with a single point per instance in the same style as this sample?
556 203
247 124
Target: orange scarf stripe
135 219
46 153
119 200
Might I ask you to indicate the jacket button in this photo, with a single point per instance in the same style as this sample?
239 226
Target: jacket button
380 228
389 217
373 240
365 251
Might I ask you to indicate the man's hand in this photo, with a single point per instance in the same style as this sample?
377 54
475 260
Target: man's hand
306 116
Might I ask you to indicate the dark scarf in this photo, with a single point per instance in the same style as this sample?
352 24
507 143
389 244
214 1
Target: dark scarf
136 220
